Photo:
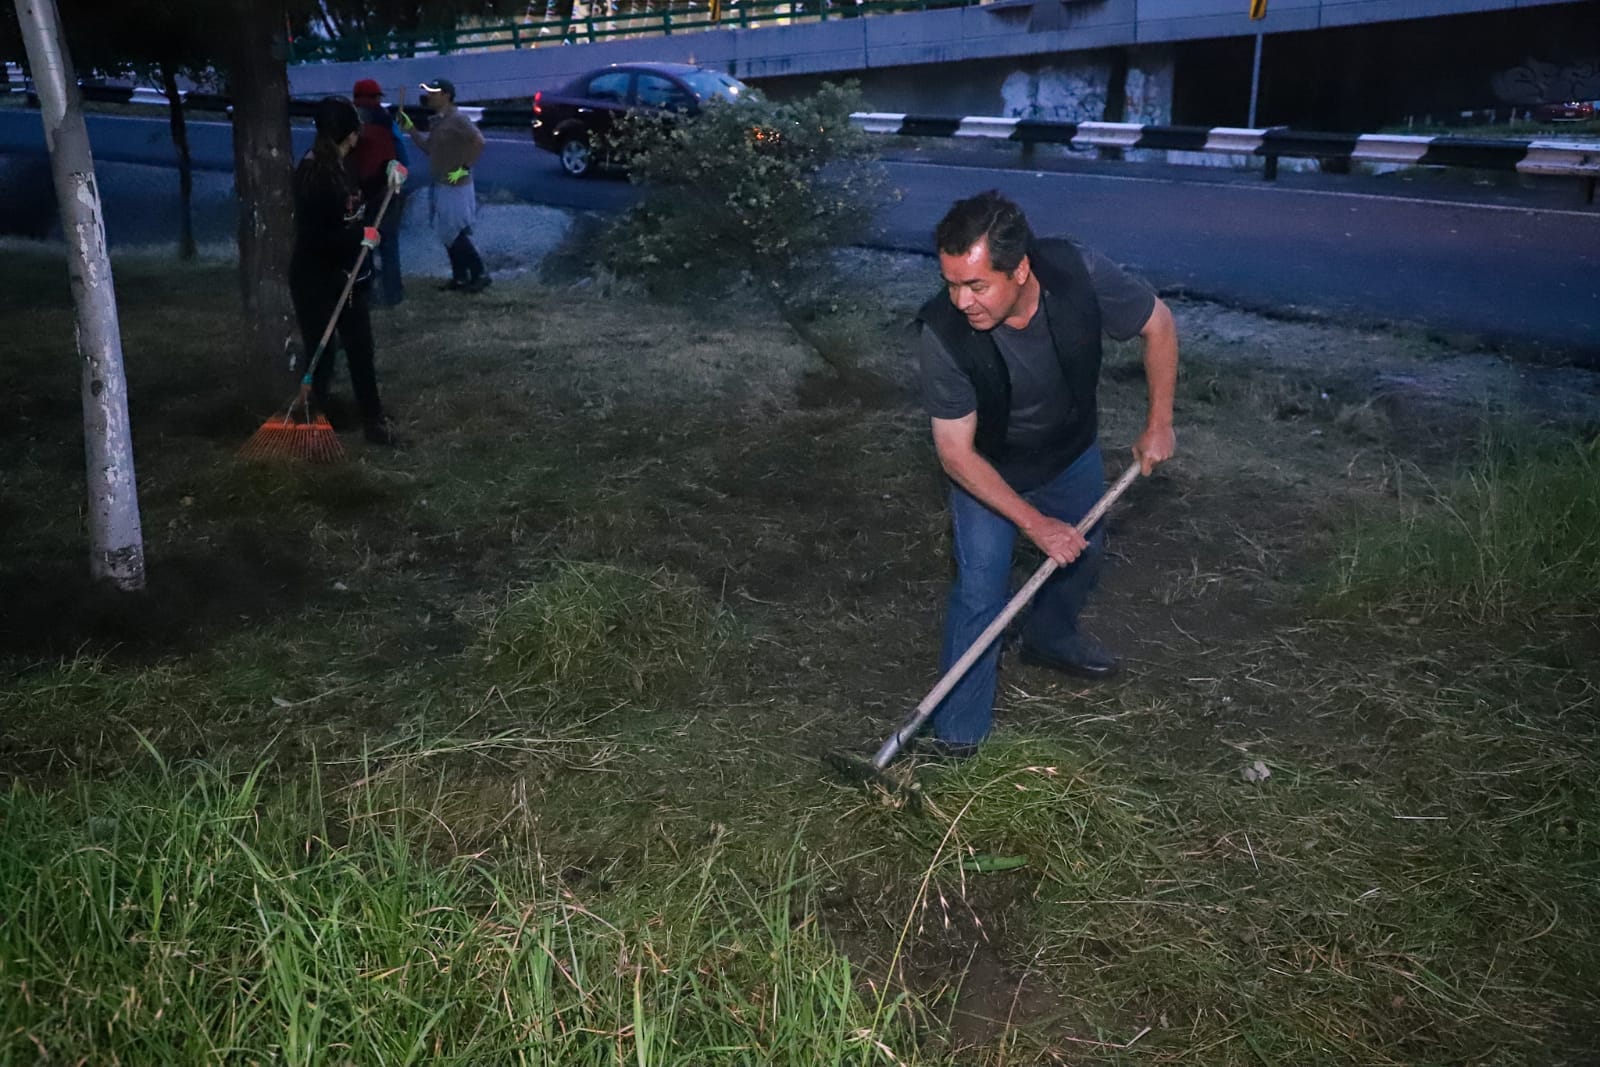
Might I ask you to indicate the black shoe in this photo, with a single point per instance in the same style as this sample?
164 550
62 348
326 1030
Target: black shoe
1080 656
380 433
336 409
453 285
478 284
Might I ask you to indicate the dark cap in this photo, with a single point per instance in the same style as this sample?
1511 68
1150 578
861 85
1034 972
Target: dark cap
336 118
367 87
440 85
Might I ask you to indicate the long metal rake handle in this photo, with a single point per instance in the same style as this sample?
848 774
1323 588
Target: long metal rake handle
333 320
959 669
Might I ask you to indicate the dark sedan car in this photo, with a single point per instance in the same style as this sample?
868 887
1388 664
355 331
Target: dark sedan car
1564 111
576 122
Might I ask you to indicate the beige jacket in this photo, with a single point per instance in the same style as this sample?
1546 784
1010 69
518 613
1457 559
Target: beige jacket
452 141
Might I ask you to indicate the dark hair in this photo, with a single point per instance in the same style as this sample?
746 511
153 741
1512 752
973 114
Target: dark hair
987 215
336 118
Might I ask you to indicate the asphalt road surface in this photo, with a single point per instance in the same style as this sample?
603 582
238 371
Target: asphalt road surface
1506 263
1512 274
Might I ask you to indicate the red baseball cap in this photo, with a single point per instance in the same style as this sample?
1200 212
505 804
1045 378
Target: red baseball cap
367 87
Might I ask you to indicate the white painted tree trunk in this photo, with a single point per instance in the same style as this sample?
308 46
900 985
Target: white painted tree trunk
116 542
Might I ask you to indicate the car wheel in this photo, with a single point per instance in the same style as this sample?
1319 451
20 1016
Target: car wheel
576 158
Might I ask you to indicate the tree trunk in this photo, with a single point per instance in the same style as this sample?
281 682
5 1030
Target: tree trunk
180 140
263 163
116 540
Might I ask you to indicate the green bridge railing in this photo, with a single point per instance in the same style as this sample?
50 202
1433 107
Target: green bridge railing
598 23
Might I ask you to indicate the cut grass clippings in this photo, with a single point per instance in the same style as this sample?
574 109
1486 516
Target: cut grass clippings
1301 912
600 635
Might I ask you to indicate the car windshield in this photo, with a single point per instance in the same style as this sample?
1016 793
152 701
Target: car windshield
714 85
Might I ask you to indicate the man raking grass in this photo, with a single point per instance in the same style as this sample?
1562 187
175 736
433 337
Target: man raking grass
1010 362
873 770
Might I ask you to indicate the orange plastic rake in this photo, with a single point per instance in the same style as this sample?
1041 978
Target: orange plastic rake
311 438
281 437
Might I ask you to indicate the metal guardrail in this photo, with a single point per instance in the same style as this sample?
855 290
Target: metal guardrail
1573 159
1561 158
601 20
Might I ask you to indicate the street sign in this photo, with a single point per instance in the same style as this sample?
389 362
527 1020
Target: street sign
1258 9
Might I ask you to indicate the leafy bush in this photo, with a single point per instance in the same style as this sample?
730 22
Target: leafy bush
756 192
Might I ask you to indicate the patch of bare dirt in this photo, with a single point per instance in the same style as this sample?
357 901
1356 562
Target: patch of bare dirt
1400 372
51 609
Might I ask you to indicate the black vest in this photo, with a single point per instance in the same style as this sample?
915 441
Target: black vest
1073 314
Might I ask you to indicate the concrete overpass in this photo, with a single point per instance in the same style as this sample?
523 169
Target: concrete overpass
1340 64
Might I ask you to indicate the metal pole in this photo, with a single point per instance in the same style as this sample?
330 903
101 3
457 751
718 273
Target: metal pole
116 541
1255 82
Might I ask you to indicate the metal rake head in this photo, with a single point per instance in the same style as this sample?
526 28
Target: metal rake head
894 787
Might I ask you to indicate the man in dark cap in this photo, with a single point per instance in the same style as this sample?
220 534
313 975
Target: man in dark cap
452 145
380 142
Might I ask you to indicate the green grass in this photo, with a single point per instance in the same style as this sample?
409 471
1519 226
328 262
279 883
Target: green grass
599 635
192 916
1518 534
503 747
1289 918
368 906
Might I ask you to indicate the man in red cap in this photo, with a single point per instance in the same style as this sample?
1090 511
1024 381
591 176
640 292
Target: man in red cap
378 143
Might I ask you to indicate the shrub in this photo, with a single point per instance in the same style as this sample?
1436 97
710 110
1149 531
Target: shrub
755 192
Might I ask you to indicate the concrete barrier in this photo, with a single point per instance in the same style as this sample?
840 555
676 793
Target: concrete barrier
1525 156
1559 158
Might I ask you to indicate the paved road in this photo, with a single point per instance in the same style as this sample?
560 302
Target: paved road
1507 273
1514 265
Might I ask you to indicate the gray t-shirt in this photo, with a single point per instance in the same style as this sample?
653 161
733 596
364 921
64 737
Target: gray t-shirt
1038 390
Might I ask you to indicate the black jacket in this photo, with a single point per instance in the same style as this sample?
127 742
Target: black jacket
1073 313
327 222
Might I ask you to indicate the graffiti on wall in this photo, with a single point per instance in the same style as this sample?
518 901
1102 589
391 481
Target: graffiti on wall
1055 95
1150 91
1535 82
1079 93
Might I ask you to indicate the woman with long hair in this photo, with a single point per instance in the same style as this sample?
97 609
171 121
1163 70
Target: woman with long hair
329 233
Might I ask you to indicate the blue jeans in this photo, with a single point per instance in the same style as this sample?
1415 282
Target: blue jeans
983 542
391 289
